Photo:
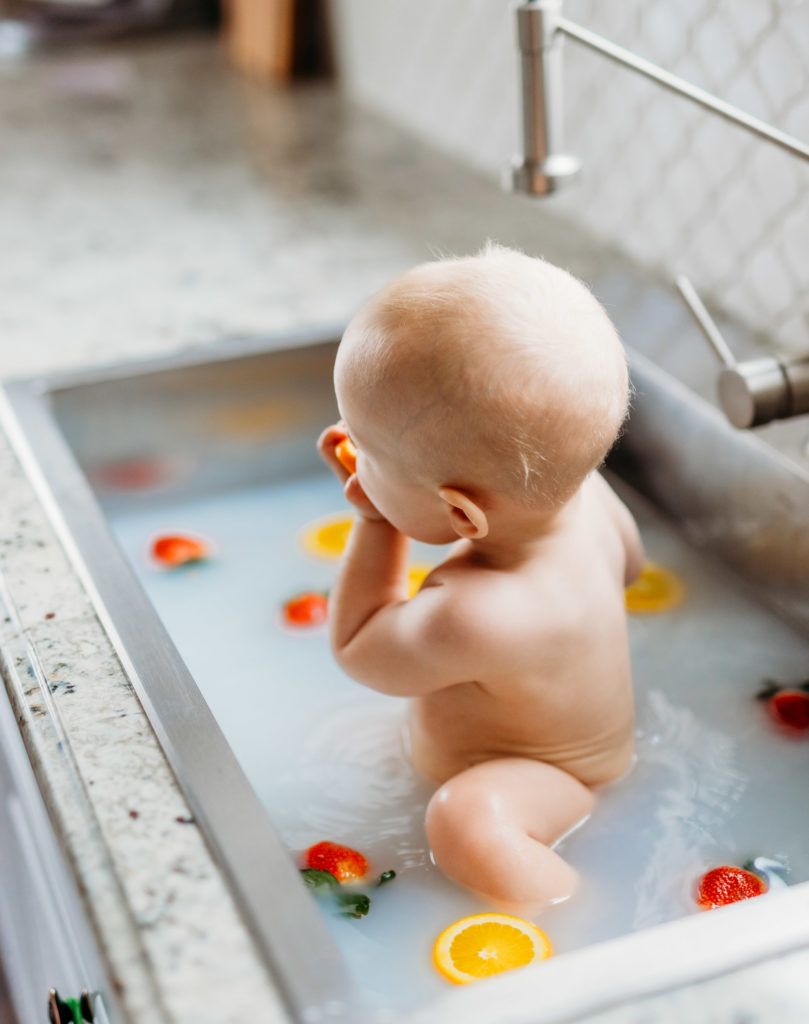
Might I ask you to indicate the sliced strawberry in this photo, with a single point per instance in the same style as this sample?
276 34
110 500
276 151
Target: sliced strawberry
341 861
174 550
728 884
307 609
791 709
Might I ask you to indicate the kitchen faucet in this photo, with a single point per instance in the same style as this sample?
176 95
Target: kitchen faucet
750 393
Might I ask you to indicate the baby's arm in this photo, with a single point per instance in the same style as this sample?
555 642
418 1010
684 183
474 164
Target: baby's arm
379 637
627 528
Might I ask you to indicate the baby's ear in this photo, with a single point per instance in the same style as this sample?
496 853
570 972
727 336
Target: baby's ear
467 517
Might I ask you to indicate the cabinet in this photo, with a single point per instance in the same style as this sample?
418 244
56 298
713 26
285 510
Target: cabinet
45 940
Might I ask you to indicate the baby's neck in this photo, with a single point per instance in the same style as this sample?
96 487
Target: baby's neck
512 543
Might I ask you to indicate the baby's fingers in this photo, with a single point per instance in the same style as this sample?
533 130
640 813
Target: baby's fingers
359 499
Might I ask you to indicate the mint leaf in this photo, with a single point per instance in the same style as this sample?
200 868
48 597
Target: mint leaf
352 904
316 879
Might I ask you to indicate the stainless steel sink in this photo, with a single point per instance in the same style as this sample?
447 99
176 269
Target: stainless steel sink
245 412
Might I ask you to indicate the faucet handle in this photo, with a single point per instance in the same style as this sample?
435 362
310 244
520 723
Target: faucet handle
755 391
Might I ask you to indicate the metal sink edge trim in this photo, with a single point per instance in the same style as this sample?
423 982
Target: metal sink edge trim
730 491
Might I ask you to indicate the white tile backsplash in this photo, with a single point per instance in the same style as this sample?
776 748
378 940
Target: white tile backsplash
670 184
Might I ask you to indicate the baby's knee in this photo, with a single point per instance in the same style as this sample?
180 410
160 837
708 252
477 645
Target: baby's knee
461 823
478 840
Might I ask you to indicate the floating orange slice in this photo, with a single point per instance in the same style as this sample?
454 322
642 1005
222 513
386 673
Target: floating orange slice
346 454
327 538
486 944
656 590
416 574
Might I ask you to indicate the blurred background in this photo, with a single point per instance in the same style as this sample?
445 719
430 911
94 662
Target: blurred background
179 173
663 182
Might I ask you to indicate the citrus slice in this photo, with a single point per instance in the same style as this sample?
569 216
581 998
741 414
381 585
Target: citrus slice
486 944
416 575
656 590
327 538
346 455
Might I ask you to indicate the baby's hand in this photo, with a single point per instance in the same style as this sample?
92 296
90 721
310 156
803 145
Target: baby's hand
336 451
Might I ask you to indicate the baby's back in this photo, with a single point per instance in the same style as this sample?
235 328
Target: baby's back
555 682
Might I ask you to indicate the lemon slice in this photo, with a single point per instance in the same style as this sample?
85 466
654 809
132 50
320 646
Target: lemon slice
486 944
656 590
327 537
416 575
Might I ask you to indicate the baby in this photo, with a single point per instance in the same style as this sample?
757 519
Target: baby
482 394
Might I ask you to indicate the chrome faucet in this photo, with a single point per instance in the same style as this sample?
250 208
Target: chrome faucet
750 393
544 165
755 391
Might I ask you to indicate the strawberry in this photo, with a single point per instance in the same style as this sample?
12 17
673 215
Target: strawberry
727 884
341 861
791 709
306 609
132 474
174 550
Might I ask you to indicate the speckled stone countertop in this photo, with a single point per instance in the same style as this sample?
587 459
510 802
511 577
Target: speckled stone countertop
152 200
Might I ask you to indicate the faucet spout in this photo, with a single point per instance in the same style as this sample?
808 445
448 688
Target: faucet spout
543 166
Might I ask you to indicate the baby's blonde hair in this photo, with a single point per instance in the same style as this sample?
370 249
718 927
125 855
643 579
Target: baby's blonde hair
509 367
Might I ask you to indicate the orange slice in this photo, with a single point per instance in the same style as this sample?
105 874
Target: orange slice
327 538
346 455
656 590
486 944
416 575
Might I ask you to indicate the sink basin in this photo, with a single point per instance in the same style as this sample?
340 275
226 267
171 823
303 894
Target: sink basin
275 749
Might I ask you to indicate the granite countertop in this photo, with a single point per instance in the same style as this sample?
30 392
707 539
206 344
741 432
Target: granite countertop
152 200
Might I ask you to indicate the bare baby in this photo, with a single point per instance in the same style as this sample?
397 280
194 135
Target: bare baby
482 394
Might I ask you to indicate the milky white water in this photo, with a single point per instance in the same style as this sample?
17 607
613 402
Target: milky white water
714 781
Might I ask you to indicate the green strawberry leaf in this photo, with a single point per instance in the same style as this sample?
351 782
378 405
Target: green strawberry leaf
319 880
386 876
352 904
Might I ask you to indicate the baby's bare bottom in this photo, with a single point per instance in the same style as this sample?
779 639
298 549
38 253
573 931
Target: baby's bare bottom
491 826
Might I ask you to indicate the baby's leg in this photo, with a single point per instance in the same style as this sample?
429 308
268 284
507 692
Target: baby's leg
490 828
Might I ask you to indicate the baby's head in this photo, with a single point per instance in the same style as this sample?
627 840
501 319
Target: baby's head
498 376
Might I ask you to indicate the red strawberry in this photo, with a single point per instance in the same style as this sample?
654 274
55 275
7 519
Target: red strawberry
307 609
790 708
726 885
341 861
174 550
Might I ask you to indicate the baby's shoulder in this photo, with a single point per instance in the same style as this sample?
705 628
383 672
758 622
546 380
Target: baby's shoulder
490 608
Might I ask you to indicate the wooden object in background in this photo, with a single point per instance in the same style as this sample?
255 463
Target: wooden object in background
276 40
260 37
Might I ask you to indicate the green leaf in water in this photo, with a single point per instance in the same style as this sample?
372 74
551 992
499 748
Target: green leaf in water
319 880
352 904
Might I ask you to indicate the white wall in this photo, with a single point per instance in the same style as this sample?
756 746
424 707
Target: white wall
674 186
